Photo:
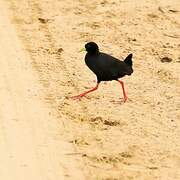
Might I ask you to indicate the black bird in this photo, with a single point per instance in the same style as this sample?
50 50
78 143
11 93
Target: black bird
106 67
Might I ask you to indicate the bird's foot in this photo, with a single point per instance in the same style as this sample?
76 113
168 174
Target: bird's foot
125 98
78 97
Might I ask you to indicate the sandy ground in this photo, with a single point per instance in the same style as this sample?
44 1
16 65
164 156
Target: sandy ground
31 147
45 135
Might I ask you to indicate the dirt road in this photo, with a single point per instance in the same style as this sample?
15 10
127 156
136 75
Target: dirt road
28 148
46 135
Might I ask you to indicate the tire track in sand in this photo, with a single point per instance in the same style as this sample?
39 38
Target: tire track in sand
46 56
28 147
47 61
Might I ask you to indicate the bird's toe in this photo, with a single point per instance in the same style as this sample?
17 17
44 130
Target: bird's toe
125 98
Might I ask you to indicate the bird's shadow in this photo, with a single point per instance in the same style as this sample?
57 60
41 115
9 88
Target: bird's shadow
117 101
120 101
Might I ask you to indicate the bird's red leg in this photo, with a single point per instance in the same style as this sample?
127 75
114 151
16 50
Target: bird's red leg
83 94
124 92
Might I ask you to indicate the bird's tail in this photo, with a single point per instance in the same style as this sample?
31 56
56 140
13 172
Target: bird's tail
128 60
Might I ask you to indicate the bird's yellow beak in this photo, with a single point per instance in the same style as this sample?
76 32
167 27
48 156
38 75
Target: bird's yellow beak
81 50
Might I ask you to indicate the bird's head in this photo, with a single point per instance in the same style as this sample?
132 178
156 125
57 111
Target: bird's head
91 48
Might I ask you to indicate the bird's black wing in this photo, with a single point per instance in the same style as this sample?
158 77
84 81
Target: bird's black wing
111 66
106 67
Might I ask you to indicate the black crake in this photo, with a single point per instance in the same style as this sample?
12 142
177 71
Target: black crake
106 67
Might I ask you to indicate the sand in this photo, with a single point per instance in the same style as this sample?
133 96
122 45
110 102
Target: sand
48 135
